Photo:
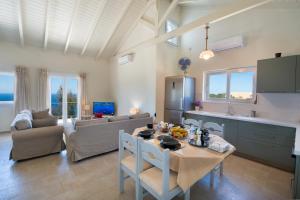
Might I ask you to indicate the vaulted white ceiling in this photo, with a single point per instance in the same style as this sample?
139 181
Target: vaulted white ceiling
86 27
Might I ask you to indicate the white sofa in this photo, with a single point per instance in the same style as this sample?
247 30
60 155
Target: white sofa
91 137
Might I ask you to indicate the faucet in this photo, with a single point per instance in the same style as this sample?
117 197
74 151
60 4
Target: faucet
230 109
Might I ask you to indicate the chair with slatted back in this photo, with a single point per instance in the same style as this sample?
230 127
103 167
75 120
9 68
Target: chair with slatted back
128 164
192 122
216 129
159 180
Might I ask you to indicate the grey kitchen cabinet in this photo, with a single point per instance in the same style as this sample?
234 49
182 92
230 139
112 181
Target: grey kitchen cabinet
268 144
276 75
298 75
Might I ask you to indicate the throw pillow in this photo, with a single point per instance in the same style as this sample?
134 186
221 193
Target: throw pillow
138 116
41 114
22 121
22 124
50 121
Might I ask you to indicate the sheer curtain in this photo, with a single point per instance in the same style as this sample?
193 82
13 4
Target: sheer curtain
22 100
42 88
83 92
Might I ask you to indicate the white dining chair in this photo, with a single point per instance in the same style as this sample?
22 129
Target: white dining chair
192 122
159 180
128 164
216 129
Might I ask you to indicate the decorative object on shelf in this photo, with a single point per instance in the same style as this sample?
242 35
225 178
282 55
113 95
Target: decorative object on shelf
277 55
206 54
198 105
134 111
184 64
87 108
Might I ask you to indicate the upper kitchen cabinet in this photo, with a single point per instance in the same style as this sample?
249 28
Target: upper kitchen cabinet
277 75
298 75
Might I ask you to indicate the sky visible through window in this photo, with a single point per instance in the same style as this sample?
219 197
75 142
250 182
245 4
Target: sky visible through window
7 84
240 85
57 82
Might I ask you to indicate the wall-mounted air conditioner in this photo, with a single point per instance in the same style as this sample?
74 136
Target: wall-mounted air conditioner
126 59
228 43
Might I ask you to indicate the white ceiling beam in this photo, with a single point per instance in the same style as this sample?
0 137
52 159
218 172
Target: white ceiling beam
20 22
112 33
92 29
148 23
171 7
74 15
132 27
47 24
218 15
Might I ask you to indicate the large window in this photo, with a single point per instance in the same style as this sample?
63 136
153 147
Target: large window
230 85
171 26
64 97
7 87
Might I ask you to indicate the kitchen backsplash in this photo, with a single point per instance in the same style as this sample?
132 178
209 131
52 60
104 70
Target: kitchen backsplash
285 107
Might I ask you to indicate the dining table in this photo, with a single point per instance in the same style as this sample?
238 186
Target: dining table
191 163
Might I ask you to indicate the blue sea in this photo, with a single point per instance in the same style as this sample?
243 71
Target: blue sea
6 97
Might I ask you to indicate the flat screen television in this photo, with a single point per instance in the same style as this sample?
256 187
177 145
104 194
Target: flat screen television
106 108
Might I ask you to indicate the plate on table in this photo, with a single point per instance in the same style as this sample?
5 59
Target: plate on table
146 134
167 142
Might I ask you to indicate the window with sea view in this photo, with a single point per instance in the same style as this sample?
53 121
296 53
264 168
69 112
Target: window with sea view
7 87
64 97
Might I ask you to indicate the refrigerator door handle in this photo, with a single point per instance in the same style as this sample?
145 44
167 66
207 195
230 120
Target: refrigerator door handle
181 103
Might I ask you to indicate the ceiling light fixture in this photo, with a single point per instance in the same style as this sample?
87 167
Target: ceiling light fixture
206 54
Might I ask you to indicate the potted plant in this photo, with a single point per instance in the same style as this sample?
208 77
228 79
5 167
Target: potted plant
198 105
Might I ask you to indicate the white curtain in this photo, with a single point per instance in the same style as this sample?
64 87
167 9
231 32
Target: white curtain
42 88
83 92
22 100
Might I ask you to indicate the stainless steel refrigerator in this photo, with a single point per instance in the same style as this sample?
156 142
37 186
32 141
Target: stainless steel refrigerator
179 97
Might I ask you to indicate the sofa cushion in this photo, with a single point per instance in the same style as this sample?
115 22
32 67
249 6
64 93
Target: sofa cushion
22 121
90 122
40 114
50 121
138 116
118 118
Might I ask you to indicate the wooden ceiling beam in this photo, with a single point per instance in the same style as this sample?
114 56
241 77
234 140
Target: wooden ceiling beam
92 29
20 22
115 28
132 27
47 24
171 7
74 15
219 15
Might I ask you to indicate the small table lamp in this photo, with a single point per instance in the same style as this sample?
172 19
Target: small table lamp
134 111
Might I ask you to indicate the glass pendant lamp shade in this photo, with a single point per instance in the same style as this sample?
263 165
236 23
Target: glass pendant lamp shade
206 54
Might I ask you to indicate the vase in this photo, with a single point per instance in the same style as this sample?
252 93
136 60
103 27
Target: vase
197 108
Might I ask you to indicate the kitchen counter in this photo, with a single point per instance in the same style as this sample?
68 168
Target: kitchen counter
256 120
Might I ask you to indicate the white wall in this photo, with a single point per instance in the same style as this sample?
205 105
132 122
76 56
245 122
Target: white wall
33 58
133 84
267 30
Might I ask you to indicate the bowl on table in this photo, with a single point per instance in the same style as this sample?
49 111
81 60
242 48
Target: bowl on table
146 134
168 142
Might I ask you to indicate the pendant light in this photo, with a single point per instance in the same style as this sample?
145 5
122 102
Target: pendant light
206 54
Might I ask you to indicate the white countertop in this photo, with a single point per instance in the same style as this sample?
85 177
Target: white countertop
257 120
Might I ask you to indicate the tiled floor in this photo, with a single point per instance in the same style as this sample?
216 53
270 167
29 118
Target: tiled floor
54 177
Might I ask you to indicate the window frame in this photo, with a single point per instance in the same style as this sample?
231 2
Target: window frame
228 73
166 31
65 77
14 90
